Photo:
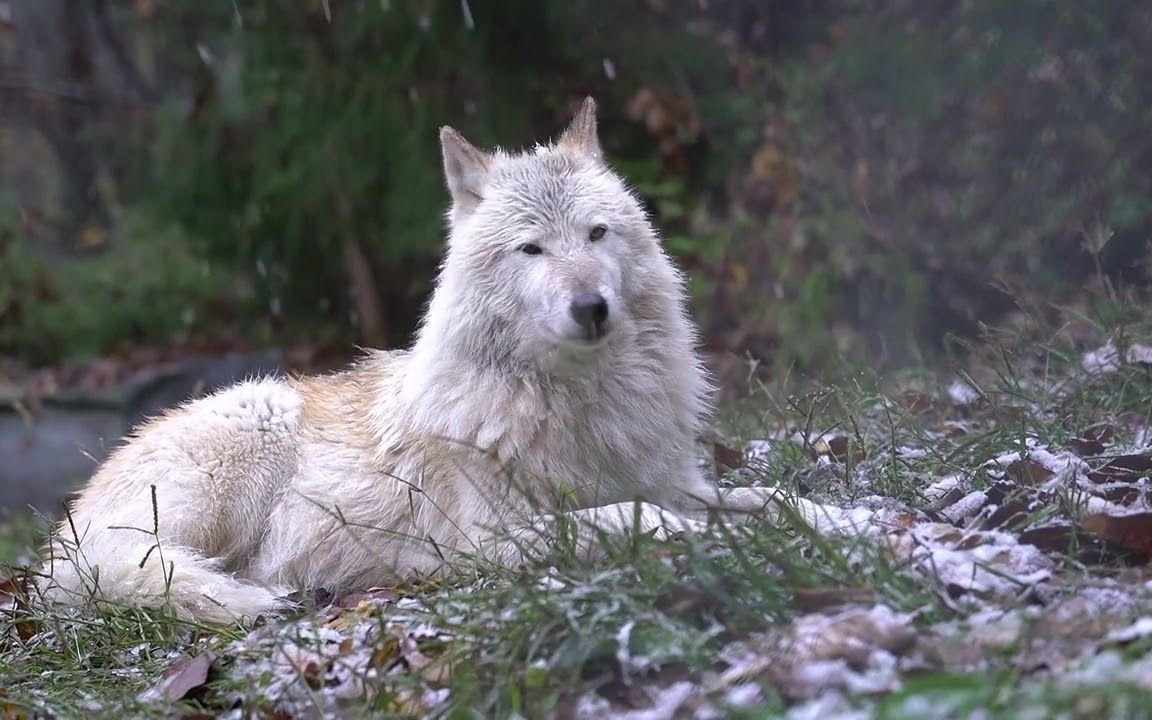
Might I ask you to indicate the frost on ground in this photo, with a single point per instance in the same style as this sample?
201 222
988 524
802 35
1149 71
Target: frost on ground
321 665
996 557
998 534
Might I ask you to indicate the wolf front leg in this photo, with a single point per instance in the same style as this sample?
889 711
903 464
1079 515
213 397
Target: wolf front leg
585 527
772 503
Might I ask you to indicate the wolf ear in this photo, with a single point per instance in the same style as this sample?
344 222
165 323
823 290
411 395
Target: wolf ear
465 169
581 132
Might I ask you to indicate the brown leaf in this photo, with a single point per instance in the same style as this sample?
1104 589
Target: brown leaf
181 678
1088 549
726 458
1051 538
351 601
1131 532
315 597
1121 494
1010 515
1125 467
772 167
955 429
808 600
1106 474
1101 432
386 652
1027 472
840 448
917 402
950 498
14 605
1093 441
312 674
739 277
1136 463
1085 447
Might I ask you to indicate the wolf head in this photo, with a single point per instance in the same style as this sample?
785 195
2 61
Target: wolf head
551 260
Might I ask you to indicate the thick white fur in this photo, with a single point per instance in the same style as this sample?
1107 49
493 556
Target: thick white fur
375 474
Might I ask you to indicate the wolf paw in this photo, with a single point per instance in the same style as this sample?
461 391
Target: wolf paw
672 527
646 518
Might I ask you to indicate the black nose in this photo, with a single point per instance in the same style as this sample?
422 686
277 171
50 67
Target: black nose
589 309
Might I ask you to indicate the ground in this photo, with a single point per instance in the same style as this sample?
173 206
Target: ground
983 554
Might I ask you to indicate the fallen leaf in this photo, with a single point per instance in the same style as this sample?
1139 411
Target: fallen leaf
947 500
726 458
917 402
314 597
1010 515
739 279
386 653
91 237
351 601
955 429
1101 432
839 448
686 601
181 678
773 168
312 674
1124 467
1136 463
1131 532
1092 441
1126 494
1065 539
14 606
1050 538
1027 472
808 600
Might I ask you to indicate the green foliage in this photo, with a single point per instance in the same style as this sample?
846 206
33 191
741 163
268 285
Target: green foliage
311 131
835 176
152 287
953 157
731 608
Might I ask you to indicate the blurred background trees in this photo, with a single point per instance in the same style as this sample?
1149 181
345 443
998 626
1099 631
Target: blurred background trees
837 176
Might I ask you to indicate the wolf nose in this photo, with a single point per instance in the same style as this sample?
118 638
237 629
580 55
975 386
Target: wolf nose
589 309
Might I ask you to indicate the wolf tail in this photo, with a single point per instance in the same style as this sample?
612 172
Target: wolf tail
190 585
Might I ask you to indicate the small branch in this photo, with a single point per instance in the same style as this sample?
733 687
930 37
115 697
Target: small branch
15 89
120 54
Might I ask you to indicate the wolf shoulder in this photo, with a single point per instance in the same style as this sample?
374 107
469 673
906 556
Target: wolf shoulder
278 409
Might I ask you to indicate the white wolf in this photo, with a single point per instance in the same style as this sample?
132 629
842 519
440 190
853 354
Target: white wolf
556 344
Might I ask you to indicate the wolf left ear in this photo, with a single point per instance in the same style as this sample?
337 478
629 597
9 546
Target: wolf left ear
581 132
465 169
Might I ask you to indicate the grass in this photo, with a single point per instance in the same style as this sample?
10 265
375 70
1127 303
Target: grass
756 621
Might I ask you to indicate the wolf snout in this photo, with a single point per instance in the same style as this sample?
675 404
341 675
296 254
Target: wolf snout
590 311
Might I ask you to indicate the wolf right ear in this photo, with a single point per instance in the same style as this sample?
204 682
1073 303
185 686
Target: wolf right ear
581 132
465 169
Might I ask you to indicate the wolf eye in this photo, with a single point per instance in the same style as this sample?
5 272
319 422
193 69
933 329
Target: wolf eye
597 232
531 249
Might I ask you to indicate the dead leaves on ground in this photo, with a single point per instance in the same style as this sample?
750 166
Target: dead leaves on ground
18 624
1131 532
1093 441
840 448
182 679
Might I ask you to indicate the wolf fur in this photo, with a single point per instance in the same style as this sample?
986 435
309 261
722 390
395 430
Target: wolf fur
462 443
